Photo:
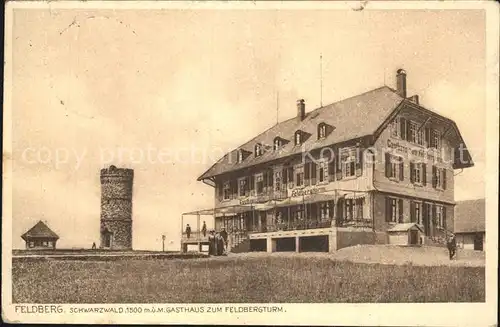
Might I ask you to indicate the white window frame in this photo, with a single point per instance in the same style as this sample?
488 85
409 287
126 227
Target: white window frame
439 216
226 187
277 180
324 210
436 136
258 150
298 171
245 180
395 161
417 173
349 167
277 144
259 178
418 217
394 210
416 136
298 138
396 128
322 131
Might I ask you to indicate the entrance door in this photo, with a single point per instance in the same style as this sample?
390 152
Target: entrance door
478 242
107 239
413 237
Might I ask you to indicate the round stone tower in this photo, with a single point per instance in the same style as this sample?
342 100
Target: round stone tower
116 208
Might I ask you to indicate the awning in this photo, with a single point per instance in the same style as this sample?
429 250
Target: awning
318 198
223 210
354 195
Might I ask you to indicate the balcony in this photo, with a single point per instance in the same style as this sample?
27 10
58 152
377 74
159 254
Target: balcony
312 224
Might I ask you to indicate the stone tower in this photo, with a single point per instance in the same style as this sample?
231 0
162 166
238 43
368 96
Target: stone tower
116 208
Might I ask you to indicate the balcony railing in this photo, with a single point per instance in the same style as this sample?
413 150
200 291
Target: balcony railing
312 224
196 236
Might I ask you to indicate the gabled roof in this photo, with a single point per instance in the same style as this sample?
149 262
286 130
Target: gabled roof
470 216
363 115
40 230
352 118
404 227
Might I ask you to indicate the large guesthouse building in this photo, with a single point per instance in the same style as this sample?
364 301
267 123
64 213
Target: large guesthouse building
376 168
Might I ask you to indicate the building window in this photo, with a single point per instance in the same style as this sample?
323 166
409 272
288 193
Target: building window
396 128
321 131
393 210
349 209
31 244
277 180
277 143
258 150
416 212
259 183
324 210
298 138
439 219
435 139
226 190
394 167
418 173
323 171
243 189
349 166
240 156
416 135
359 208
299 176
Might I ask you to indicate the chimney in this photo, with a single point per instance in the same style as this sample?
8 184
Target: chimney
301 109
401 83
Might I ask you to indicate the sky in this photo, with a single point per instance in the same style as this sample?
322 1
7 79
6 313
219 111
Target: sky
154 90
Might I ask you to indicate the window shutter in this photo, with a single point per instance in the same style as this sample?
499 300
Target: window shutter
388 165
307 175
427 136
412 168
444 217
234 188
388 209
400 209
431 134
401 169
339 168
290 177
402 122
359 162
444 178
331 169
285 176
434 214
424 174
219 188
264 177
413 218
434 176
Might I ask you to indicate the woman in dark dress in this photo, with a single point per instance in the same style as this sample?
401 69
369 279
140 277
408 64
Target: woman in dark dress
211 243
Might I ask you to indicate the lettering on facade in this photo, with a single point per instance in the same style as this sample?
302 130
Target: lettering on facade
310 191
416 152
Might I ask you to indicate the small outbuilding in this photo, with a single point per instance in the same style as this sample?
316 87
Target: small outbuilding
470 224
405 234
40 237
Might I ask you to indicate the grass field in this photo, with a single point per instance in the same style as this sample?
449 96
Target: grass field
245 279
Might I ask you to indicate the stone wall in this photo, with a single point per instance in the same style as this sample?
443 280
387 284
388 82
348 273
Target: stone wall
116 206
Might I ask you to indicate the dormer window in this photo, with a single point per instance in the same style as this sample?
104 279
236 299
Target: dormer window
298 138
240 156
258 150
321 131
277 143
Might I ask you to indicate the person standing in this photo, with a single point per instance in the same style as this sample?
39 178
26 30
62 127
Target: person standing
223 235
452 246
188 231
211 243
204 229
